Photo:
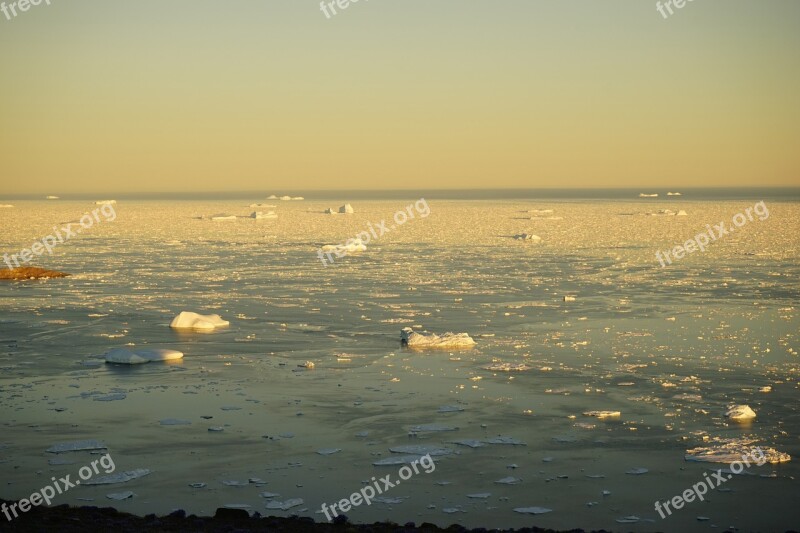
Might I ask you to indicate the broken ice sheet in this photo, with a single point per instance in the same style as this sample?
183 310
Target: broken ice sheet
329 451
432 427
174 422
397 460
234 483
284 505
120 495
75 446
510 480
421 449
122 477
469 442
110 397
505 440
532 510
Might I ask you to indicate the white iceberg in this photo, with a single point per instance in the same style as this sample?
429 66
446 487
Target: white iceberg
644 195
222 216
260 215
121 356
285 198
682 213
51 197
740 413
190 320
412 339
673 194
346 209
6 205
352 245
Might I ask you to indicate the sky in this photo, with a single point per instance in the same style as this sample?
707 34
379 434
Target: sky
273 95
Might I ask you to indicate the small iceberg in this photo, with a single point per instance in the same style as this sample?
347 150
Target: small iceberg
5 205
603 414
645 195
260 215
682 213
527 237
740 413
222 217
190 320
346 209
532 510
352 245
673 194
285 505
121 356
735 451
103 202
412 339
51 197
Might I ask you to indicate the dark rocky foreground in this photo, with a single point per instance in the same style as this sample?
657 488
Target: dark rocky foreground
64 518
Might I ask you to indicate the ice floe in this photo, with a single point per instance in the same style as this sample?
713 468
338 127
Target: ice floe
346 209
735 450
190 320
284 505
120 495
527 237
422 449
603 414
532 510
260 215
76 446
740 413
413 339
122 356
121 477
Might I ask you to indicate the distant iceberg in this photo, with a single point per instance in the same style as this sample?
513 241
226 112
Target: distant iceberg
346 209
740 413
412 339
223 216
103 202
673 194
189 320
527 237
258 215
644 195
6 205
51 197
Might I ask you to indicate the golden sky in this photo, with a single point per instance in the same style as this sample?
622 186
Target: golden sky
201 95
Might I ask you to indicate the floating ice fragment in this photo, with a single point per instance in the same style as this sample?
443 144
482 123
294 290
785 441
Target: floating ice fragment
285 505
216 429
235 483
122 356
197 485
412 339
346 209
190 320
452 510
527 237
110 397
449 409
269 494
505 440
637 471
329 451
159 354
432 427
388 500
122 477
735 451
603 414
569 298
469 442
632 519
397 460
421 449
76 446
260 215
510 480
508 367
174 422
532 510
479 495
740 413
120 495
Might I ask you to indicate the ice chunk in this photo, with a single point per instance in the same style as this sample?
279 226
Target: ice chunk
510 480
102 202
505 440
412 339
159 354
603 414
352 245
532 510
397 460
174 422
432 427
122 356
734 451
260 215
76 446
190 320
527 237
346 209
110 397
285 505
421 449
222 217
120 495
508 367
329 451
740 413
472 443
122 477
637 471
479 495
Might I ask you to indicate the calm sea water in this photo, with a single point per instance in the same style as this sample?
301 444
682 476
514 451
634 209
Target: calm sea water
670 348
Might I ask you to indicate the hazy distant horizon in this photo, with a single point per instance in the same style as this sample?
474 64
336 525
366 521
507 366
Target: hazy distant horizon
564 193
